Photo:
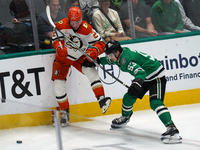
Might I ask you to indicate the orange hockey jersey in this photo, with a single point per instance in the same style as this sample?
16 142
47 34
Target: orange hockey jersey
83 37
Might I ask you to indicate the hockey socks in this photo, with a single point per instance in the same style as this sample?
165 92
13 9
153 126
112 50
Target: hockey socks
162 111
171 136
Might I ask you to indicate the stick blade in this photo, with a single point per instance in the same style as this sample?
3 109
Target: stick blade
49 16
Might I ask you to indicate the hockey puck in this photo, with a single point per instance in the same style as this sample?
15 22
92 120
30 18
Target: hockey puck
18 142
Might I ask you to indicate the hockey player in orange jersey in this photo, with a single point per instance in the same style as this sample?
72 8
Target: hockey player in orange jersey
67 55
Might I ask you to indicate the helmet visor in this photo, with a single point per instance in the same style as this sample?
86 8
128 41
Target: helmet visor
111 56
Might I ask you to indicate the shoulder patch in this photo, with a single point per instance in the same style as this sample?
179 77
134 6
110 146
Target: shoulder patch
123 61
85 28
85 25
60 22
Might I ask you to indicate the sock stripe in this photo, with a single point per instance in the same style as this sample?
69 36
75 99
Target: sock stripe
161 109
162 112
96 82
127 108
61 97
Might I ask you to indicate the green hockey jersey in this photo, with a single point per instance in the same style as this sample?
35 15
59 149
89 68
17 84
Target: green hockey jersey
139 64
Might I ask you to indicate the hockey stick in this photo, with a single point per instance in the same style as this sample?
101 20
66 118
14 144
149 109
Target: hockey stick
52 23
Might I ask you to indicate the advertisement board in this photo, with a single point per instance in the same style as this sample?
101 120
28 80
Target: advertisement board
26 81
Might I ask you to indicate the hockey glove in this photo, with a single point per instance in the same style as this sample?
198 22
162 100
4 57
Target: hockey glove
136 87
92 53
86 63
98 60
61 52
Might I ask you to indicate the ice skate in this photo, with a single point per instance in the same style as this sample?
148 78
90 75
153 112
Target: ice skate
104 103
120 122
171 136
64 118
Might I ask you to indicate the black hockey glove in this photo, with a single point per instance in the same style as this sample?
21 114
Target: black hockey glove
98 60
136 87
86 63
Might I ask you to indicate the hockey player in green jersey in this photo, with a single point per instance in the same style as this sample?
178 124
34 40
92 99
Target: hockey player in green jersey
148 76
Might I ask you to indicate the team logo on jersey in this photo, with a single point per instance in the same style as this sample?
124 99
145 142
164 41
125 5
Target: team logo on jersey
85 25
76 42
60 22
123 61
56 72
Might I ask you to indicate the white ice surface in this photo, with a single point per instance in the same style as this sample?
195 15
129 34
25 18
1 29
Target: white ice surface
142 133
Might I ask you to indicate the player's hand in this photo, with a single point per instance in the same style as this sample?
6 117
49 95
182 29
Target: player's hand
92 53
98 60
135 87
86 63
62 52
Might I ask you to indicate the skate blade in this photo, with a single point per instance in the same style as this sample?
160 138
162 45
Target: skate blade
65 124
62 124
171 141
114 126
105 107
175 139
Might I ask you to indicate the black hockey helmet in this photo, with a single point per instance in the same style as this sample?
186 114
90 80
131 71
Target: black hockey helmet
112 46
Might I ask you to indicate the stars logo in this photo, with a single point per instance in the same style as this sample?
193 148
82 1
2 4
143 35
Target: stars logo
123 61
